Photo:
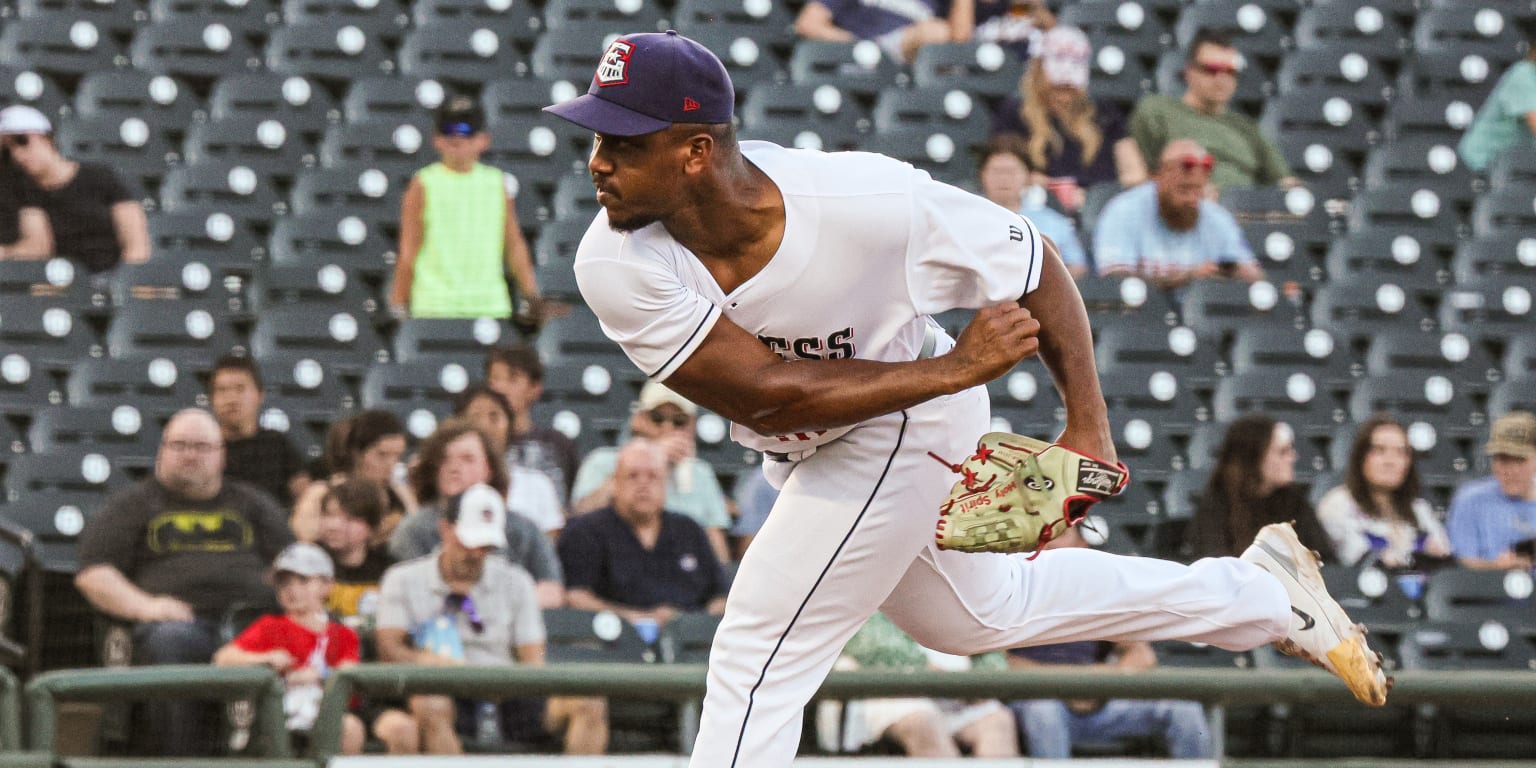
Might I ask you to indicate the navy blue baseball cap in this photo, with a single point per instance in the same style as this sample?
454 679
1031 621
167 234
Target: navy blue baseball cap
648 81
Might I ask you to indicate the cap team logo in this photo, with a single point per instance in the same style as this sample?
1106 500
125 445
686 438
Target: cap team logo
613 68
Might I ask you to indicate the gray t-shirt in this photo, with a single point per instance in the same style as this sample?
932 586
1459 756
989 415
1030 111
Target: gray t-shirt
527 546
414 593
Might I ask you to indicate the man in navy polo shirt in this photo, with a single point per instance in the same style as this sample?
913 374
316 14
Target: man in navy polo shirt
636 559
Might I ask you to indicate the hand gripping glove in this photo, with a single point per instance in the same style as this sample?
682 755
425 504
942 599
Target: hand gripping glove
1017 493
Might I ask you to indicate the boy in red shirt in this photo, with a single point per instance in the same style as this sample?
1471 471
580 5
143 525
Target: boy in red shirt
303 643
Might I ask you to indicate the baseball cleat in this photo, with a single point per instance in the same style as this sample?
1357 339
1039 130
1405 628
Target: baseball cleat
1320 631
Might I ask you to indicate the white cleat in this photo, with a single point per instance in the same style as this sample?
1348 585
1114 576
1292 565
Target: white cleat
1320 630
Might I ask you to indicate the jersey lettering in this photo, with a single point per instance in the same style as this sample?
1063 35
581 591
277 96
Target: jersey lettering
838 345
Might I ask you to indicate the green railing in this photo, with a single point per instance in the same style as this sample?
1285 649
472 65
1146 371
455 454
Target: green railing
1218 689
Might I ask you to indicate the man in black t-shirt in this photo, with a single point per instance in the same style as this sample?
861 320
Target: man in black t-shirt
262 457
95 216
174 554
24 231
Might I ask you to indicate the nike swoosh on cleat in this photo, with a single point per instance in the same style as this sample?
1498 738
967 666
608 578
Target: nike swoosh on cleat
1283 558
1307 622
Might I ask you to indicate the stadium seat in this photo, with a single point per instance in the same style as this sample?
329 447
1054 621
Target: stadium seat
1433 398
1272 204
194 47
463 52
1432 165
398 147
333 236
1512 168
570 53
1318 117
1467 77
346 341
227 184
826 110
130 145
310 391
1025 402
987 70
941 151
1328 175
404 387
326 49
1473 732
1410 209
1436 117
1520 356
623 18
57 277
315 284
1511 209
208 231
573 638
1469 28
1383 254
157 386
1494 306
1471 597
577 337
1154 450
120 432
687 638
181 279
47 330
55 520
575 200
1218 308
1118 79
1360 25
1295 399
1339 69
58 44
1183 492
296 102
752 62
1126 296
116 17
519 23
770 23
79 470
860 68
359 190
419 339
1517 393
1282 351
1255 31
192 333
1253 82
159 99
1406 351
514 109
402 99
1289 249
1147 349
950 110
1130 27
557 242
22 85
248 18
1356 307
25 385
1158 397
385 20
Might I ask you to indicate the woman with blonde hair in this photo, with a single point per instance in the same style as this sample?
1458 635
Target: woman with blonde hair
1073 141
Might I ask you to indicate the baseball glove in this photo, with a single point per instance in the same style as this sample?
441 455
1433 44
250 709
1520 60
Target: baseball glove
1016 493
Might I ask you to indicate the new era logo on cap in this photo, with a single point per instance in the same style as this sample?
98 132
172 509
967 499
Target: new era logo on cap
640 82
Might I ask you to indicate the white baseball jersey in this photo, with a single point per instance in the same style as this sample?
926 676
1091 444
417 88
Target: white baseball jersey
872 246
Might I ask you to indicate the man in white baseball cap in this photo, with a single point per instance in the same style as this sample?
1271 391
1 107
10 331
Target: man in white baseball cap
95 215
24 230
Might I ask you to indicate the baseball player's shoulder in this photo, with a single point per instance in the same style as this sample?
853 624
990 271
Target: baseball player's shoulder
829 174
602 243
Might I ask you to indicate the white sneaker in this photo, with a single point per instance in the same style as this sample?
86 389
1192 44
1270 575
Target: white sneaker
1320 630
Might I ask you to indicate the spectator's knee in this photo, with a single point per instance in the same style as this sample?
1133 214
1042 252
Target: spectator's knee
433 711
589 709
173 642
398 731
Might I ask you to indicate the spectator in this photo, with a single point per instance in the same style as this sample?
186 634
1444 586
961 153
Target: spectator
452 459
1051 727
262 457
1493 520
95 217
1005 180
1013 24
1245 156
350 513
1507 118
1168 232
754 498
1253 485
900 28
369 446
1071 140
933 728
518 374
175 554
301 643
24 229
692 488
637 559
459 229
1377 513
533 495
460 605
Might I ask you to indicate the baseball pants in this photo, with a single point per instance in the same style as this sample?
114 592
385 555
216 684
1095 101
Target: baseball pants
852 533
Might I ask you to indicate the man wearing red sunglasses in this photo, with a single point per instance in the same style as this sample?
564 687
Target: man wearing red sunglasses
1168 231
1211 70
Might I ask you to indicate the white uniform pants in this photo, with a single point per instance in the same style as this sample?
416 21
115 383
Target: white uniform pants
852 533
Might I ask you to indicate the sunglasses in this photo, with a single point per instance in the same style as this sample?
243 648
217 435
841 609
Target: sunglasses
1213 69
458 128
456 603
1206 163
659 419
